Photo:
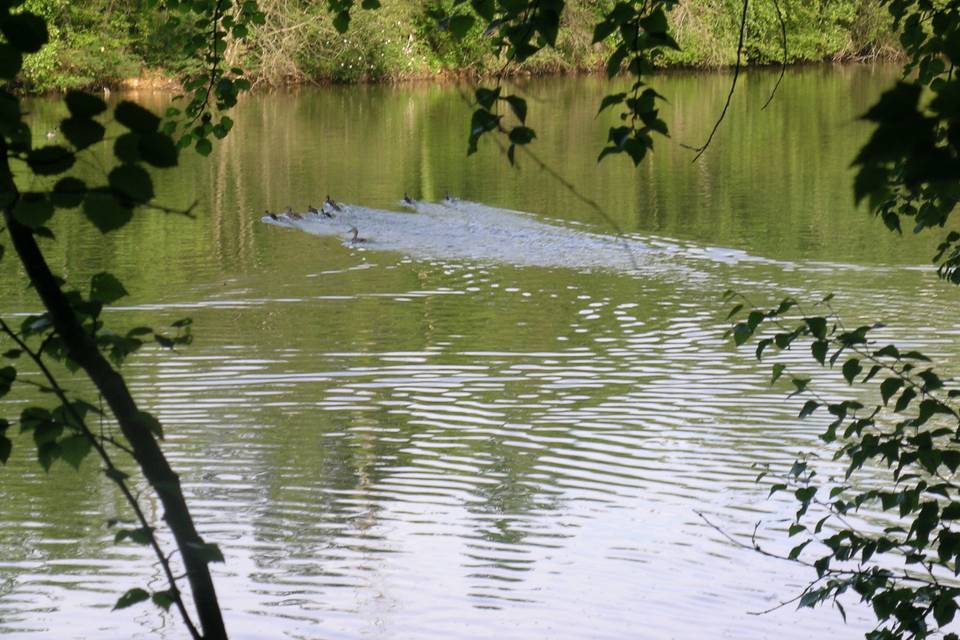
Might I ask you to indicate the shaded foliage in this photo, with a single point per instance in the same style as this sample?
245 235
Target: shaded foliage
35 183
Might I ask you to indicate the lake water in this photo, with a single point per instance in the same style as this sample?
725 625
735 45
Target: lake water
480 423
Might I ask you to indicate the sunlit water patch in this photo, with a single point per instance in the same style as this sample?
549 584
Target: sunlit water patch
462 230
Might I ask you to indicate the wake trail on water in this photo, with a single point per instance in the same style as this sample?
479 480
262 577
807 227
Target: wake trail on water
464 230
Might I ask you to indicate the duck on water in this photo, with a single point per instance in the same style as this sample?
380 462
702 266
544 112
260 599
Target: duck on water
333 204
356 239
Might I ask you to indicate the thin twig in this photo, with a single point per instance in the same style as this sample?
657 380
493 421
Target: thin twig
783 66
733 85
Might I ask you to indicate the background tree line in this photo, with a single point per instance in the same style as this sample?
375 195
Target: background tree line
99 43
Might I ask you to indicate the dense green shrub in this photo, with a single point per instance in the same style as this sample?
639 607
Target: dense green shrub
101 42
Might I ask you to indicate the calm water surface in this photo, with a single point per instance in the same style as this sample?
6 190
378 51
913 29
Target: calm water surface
439 444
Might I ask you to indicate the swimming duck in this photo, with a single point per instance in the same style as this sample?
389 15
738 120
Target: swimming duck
356 236
273 216
333 205
449 198
312 209
407 200
293 214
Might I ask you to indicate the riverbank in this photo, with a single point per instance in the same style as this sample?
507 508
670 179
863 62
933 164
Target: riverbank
96 47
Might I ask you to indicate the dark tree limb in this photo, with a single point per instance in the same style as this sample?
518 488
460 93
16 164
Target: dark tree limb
83 350
112 472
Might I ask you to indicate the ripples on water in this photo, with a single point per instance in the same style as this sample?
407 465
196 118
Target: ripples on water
480 424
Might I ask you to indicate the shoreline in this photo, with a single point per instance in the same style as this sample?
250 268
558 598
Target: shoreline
157 80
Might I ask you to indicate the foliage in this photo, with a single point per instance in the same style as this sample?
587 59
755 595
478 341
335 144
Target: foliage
909 170
904 569
37 183
102 42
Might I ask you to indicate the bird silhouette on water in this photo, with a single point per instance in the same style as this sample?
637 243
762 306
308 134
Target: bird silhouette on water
333 204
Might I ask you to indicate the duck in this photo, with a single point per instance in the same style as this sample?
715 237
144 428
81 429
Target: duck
312 209
293 214
333 205
449 198
273 216
356 236
407 200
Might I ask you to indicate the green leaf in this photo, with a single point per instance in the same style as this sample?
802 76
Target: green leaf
83 105
82 132
33 209
944 609
617 98
141 535
522 135
130 598
951 511
132 182
655 23
6 446
127 148
11 61
800 384
136 118
105 212
163 599
817 326
851 369
204 147
208 552
778 370
106 288
519 107
795 552
486 97
26 31
889 387
50 160
603 30
741 333
904 401
341 21
819 350
808 408
73 449
460 25
68 193
763 344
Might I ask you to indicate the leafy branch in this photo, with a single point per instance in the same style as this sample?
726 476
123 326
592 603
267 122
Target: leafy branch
913 432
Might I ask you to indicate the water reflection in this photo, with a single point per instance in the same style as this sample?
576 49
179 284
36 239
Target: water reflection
423 446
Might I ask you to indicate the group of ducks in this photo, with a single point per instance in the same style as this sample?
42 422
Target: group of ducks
322 212
337 207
